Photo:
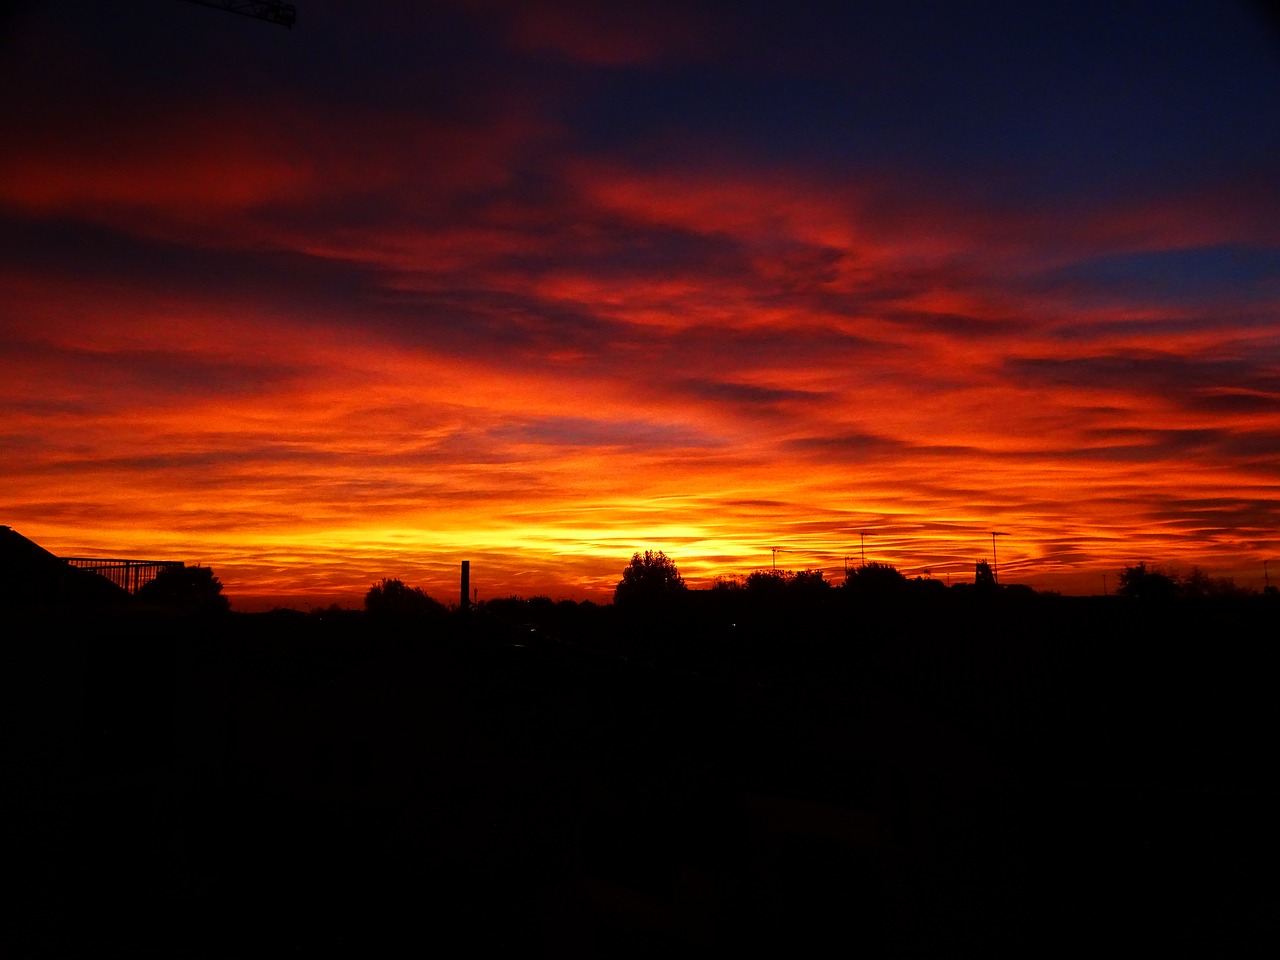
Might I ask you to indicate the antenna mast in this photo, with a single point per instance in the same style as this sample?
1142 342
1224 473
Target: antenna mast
995 563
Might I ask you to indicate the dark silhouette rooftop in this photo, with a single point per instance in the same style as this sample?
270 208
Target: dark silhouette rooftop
32 576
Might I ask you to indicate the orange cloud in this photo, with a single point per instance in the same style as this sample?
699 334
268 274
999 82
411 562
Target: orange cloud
314 346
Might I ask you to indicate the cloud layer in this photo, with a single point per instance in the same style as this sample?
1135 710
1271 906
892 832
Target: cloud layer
536 286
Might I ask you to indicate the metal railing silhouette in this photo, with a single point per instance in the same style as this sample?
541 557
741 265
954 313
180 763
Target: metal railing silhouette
128 575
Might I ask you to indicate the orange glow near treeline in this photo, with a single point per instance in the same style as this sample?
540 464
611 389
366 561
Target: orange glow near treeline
316 346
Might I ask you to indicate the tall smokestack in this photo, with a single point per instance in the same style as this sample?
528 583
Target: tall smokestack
466 586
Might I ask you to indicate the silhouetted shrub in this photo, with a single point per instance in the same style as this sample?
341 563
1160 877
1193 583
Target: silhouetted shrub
1197 583
193 590
1156 584
927 587
392 598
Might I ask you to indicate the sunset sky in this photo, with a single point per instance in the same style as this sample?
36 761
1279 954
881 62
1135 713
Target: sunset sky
539 285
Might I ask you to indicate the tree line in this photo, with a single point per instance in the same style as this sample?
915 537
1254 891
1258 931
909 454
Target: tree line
652 580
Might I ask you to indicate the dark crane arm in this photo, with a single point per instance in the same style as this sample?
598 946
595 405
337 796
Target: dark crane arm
269 10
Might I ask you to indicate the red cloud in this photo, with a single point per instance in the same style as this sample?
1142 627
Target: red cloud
368 343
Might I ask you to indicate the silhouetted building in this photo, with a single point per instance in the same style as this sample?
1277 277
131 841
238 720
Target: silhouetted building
31 576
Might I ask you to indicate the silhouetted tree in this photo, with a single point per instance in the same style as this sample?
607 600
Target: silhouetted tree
767 584
874 578
785 588
189 589
1137 581
927 587
984 577
809 582
650 579
392 598
1197 583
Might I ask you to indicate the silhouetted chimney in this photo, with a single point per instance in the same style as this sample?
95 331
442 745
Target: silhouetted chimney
466 585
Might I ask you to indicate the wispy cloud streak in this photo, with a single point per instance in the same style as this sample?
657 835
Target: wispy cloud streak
574 285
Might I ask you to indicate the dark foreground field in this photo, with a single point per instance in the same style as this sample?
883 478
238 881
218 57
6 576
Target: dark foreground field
987 779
